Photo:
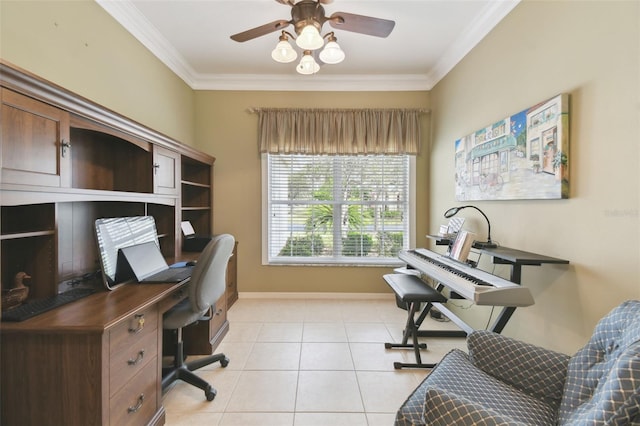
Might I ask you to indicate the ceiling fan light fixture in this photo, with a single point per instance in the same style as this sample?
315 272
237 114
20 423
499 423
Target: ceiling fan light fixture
332 53
308 64
284 52
307 19
310 38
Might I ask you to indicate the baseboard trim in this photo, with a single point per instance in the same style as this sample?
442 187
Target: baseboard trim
320 295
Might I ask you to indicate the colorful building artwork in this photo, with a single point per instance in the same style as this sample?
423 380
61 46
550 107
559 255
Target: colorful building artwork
524 156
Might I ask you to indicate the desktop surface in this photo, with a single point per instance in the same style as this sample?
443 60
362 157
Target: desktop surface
99 311
520 256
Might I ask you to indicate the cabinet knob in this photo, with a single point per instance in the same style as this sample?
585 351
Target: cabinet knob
64 145
156 166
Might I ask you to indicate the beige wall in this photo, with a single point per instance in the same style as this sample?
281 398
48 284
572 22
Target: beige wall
228 131
542 48
79 46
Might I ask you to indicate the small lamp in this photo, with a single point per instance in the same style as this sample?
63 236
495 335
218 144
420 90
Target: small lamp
308 64
310 38
332 53
284 52
477 244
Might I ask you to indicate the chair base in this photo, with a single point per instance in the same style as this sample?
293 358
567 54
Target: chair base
184 371
401 365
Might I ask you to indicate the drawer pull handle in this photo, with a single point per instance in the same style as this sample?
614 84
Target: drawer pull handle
140 318
138 358
137 406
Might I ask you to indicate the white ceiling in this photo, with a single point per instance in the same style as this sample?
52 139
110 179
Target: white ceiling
192 38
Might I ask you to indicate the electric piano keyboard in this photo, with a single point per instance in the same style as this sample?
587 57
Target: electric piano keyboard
473 284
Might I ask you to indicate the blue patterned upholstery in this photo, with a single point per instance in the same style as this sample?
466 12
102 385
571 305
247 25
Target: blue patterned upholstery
529 368
506 382
603 379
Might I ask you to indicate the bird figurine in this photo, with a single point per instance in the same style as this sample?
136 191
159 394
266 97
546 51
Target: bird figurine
15 296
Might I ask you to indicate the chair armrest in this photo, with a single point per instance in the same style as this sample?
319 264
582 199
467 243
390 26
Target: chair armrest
537 371
443 409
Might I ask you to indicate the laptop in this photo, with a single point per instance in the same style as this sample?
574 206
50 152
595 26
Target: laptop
145 263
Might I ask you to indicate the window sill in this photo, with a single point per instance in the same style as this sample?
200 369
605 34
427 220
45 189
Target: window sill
373 264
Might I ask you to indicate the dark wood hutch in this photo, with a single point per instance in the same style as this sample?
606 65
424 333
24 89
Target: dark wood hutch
66 161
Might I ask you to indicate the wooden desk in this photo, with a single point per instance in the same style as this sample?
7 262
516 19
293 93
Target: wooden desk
96 361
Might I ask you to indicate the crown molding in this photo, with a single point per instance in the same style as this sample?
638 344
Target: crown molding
492 14
317 82
125 13
130 17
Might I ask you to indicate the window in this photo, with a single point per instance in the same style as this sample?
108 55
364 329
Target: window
339 209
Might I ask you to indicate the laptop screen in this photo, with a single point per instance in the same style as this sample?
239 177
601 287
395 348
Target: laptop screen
144 259
116 232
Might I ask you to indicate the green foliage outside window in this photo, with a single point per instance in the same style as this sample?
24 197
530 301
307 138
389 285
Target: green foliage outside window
390 242
356 244
333 207
305 245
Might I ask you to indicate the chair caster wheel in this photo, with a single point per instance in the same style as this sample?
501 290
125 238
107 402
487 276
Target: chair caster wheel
210 393
224 362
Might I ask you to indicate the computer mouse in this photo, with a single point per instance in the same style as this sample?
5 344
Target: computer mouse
191 263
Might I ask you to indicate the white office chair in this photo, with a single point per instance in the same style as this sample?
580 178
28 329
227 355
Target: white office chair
208 284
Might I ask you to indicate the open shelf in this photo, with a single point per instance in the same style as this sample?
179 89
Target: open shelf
27 220
105 162
195 172
196 196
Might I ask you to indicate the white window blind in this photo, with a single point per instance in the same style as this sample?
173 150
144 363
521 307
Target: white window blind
336 209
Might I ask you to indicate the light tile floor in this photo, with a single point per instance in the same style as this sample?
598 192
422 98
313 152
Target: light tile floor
308 362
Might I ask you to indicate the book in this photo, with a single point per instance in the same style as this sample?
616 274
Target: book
462 245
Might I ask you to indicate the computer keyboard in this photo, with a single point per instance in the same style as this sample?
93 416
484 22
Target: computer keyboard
36 307
171 275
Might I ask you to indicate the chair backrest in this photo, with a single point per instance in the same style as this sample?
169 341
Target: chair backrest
209 277
603 378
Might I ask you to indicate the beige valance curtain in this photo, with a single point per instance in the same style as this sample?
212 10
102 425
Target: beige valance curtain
339 131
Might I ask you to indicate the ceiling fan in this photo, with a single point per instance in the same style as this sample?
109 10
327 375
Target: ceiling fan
307 18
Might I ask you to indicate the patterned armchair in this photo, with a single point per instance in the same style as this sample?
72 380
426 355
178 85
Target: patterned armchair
506 382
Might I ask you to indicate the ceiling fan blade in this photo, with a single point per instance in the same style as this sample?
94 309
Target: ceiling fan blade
361 24
293 2
260 31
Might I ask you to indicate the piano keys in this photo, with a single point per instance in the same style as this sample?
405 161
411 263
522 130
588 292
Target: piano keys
476 285
473 284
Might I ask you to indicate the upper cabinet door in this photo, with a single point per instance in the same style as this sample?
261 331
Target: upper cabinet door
166 171
35 147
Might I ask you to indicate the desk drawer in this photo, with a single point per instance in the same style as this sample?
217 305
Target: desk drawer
128 361
136 402
135 328
132 345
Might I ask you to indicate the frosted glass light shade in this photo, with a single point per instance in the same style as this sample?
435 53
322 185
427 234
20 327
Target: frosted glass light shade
310 38
307 64
332 54
284 52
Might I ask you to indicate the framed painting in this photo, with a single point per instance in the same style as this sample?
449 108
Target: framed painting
522 157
